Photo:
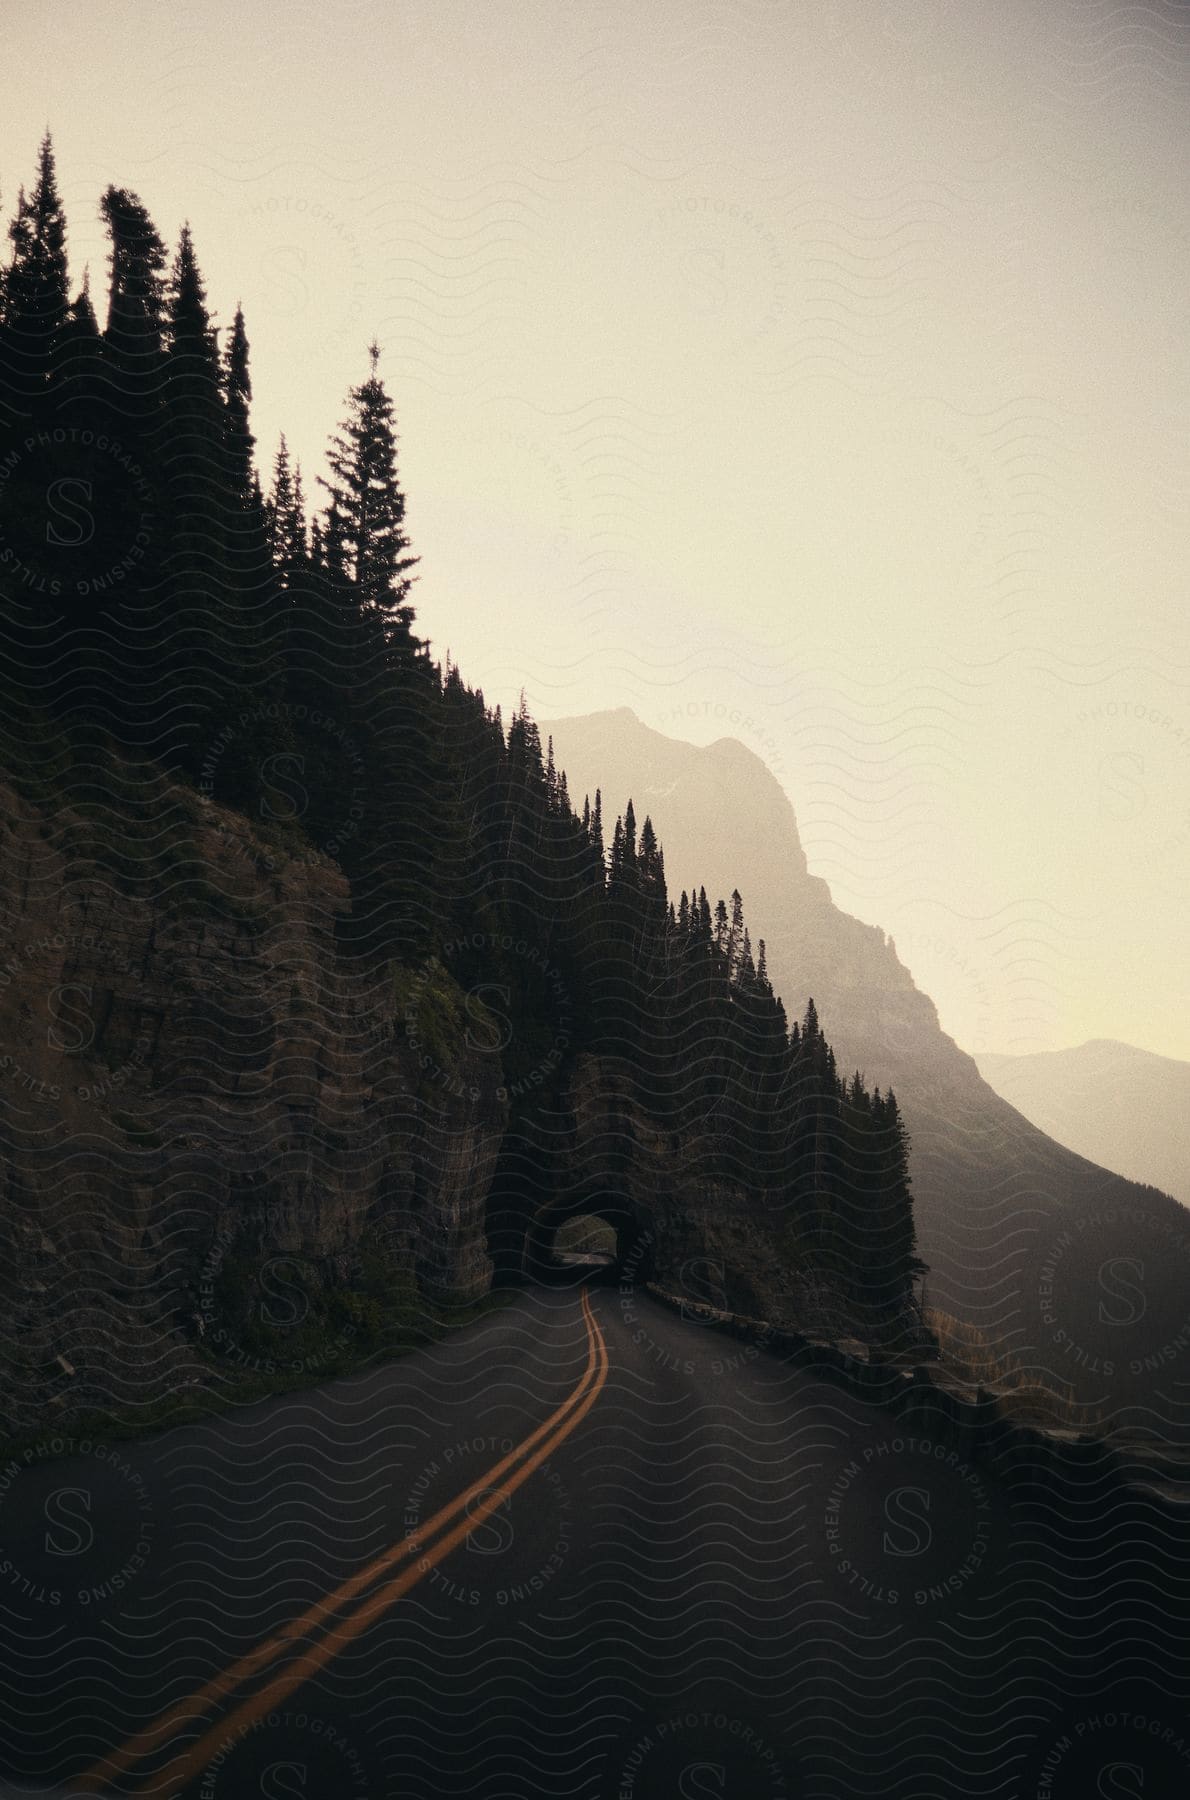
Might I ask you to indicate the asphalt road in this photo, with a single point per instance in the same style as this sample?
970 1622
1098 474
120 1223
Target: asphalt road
584 1548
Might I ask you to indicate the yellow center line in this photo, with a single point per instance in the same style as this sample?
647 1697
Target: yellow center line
191 1762
205 1699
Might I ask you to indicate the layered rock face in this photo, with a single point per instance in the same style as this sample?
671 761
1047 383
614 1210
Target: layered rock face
1025 1239
209 1116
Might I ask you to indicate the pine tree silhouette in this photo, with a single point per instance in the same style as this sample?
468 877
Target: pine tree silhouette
36 302
367 503
456 834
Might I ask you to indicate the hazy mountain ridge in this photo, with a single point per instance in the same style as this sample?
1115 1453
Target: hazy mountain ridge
1003 1211
717 808
1127 1108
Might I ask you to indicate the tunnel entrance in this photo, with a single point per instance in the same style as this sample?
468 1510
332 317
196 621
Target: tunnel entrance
585 1239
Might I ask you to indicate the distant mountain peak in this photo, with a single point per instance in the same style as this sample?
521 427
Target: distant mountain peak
623 717
1090 1049
724 818
721 796
1127 1108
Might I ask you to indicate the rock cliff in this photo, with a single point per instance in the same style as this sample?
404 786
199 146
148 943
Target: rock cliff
706 1237
224 1154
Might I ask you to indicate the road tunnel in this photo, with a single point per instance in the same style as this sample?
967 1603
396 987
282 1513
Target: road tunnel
587 1236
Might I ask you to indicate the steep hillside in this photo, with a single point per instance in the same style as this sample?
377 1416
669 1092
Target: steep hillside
1126 1108
1083 1274
323 1008
235 1155
219 1164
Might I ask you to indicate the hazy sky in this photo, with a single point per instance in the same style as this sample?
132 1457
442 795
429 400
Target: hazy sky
810 371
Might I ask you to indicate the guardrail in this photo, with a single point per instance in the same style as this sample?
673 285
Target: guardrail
972 1420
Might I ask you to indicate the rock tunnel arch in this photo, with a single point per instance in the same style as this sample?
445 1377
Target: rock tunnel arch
541 1260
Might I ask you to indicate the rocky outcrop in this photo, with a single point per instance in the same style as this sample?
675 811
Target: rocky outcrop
711 1238
215 1127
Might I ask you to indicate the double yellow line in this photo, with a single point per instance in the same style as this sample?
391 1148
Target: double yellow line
496 1487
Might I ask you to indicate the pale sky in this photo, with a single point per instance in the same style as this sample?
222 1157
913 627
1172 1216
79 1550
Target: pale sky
809 371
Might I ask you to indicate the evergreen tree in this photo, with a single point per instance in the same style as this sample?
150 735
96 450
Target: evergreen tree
294 539
285 517
220 590
629 856
135 326
616 859
279 507
598 853
237 387
651 862
194 389
191 431
78 388
368 505
456 839
735 936
721 927
36 298
81 329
